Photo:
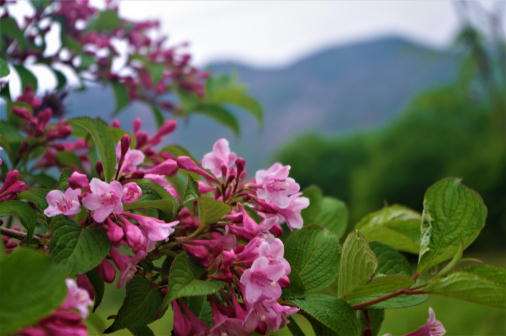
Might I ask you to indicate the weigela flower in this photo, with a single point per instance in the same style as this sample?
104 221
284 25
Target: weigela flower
12 186
77 298
63 203
432 327
104 199
185 321
274 185
221 160
131 192
154 229
78 180
260 281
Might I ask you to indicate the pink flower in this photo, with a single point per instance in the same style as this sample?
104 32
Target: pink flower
265 316
104 199
133 158
167 167
77 298
162 182
131 192
261 280
274 185
127 265
78 180
185 321
155 229
106 271
12 186
220 160
292 213
232 325
114 231
134 236
432 327
60 203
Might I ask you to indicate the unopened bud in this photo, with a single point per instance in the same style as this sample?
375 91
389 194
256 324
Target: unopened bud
125 144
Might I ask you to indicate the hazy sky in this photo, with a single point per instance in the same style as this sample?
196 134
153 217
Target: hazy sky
277 32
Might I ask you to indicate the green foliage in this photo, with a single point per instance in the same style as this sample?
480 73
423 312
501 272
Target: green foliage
32 287
105 21
211 211
453 216
23 211
358 264
141 306
389 260
121 95
395 226
77 249
184 280
27 78
4 68
104 138
334 316
313 255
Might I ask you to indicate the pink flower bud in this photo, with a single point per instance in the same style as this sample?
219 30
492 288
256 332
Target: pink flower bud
114 231
167 168
137 124
106 271
78 180
131 192
125 144
187 163
134 236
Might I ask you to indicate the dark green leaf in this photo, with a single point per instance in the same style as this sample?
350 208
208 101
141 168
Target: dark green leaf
4 68
333 313
78 249
313 255
121 95
184 280
211 211
395 226
105 21
98 287
389 260
61 79
453 216
104 138
372 320
32 287
141 331
27 78
315 196
358 264
158 115
36 196
10 29
220 114
142 305
23 211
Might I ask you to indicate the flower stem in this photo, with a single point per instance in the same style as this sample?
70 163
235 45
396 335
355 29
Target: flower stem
402 291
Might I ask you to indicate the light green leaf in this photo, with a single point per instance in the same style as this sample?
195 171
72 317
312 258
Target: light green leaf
402 301
23 211
313 254
77 249
142 305
32 287
483 284
27 78
315 196
4 68
377 287
453 216
184 280
104 138
220 114
395 226
358 264
121 95
389 260
35 195
211 211
333 216
333 313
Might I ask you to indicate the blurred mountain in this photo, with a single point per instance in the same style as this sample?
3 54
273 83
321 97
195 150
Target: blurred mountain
335 90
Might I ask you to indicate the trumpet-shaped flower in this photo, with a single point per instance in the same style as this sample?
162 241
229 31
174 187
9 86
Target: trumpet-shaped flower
221 159
104 199
260 281
274 185
63 203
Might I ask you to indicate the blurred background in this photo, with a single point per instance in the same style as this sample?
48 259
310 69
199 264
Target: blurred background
373 101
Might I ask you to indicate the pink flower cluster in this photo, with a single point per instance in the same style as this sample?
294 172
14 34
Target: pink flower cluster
67 320
12 185
242 252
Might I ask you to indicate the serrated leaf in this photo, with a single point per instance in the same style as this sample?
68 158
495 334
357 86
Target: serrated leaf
211 211
104 138
333 313
358 264
402 301
315 196
31 286
483 284
184 280
377 287
24 212
333 216
4 68
453 216
220 114
313 255
142 305
395 226
389 260
77 249
27 78
121 96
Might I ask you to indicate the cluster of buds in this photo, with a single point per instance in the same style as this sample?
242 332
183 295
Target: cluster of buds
11 186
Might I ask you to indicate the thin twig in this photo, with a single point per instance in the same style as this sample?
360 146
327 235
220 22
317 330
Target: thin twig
402 291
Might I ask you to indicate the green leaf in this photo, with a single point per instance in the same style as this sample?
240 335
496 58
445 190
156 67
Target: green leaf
184 280
104 138
315 196
402 301
395 226
333 313
61 79
453 216
98 286
358 264
377 287
158 115
36 196
201 307
389 260
142 305
105 21
32 287
211 211
169 206
77 249
121 95
313 255
10 29
27 78
220 114
373 318
483 284
333 216
23 211
141 331
177 150
4 68
68 159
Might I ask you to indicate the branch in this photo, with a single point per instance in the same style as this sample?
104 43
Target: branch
12 233
402 291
